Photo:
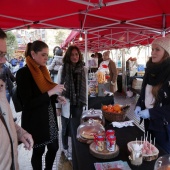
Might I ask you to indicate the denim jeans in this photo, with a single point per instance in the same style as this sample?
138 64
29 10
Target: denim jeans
75 113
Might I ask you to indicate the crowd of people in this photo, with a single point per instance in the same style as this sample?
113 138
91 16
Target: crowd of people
59 89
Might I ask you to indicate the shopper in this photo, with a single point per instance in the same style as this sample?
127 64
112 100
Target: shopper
56 62
10 133
4 70
72 75
112 71
154 102
38 95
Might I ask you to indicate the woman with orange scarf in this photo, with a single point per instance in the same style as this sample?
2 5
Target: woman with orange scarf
38 95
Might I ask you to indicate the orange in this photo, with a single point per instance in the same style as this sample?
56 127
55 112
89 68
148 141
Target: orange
104 107
117 108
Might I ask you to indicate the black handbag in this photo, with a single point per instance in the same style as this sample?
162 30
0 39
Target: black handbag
16 100
53 71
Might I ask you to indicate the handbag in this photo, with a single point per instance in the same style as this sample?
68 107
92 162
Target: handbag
16 100
53 71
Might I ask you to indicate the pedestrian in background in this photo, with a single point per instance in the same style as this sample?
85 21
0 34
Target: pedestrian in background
112 71
56 63
6 73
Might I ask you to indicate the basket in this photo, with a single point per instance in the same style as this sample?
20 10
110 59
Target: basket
114 117
146 157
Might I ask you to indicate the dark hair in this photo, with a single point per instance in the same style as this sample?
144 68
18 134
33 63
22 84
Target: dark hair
100 59
38 46
67 55
2 34
92 55
28 49
58 51
54 49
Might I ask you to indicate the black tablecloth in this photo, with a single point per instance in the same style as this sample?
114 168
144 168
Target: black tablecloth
96 102
83 160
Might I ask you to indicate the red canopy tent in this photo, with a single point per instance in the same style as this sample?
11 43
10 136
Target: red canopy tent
107 23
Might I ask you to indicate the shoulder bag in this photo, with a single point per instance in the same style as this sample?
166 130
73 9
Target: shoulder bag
16 100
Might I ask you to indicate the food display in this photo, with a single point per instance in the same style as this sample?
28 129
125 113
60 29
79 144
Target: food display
149 151
99 143
96 115
101 77
112 108
87 130
104 154
115 112
105 147
92 88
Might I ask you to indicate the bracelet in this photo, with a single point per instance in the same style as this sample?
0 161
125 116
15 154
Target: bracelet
112 83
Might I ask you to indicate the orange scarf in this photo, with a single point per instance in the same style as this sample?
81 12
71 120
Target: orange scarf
40 75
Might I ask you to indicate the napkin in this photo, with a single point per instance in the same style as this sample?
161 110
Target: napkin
123 124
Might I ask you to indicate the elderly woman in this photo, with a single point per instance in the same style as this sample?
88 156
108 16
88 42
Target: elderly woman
112 71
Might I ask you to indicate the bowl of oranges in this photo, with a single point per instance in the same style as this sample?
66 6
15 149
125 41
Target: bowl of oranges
115 112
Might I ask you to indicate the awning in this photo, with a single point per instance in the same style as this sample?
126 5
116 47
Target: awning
107 23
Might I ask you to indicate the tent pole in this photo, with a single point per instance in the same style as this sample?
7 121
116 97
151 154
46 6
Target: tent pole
86 66
123 72
164 24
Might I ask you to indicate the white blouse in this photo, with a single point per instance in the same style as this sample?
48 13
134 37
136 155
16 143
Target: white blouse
149 98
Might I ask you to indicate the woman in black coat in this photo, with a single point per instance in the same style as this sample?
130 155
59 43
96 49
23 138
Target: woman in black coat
154 102
38 95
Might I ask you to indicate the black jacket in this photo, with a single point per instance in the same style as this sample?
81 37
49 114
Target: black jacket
160 113
35 116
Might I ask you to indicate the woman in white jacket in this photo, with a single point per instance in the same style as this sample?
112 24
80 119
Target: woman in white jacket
72 75
56 63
